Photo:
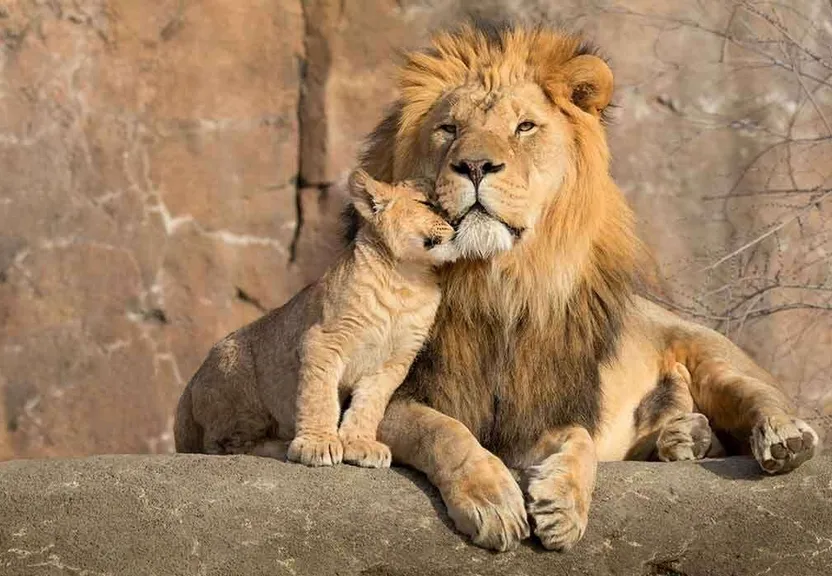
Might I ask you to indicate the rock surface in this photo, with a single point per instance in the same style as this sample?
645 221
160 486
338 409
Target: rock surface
172 515
170 169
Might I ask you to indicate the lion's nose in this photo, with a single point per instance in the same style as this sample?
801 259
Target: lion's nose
476 170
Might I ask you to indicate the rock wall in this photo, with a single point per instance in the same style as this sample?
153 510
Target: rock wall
170 169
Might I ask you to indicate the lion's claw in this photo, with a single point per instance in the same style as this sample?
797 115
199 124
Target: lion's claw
486 503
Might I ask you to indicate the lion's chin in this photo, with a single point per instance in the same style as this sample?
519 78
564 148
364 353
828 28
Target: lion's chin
480 236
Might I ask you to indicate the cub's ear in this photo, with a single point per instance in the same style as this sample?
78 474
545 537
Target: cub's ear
589 83
369 196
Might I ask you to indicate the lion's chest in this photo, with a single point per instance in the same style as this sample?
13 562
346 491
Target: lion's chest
511 386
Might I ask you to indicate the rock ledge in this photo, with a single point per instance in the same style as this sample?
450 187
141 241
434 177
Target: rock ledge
171 515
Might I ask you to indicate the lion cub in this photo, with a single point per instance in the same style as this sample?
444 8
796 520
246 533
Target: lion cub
378 305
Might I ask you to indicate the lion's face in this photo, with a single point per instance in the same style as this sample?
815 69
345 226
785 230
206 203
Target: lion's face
502 124
498 157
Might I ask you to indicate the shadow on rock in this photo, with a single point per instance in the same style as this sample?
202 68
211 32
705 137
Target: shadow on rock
734 468
423 484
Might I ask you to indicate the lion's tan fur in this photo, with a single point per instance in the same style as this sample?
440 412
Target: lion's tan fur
566 287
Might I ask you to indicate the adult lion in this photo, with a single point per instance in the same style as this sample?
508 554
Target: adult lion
542 358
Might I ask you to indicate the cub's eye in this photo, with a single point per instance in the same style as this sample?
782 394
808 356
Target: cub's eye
432 241
526 126
448 129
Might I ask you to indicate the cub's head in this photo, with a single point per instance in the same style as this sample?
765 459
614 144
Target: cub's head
505 122
404 219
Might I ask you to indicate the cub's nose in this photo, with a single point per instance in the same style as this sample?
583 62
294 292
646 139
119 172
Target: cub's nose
476 170
440 234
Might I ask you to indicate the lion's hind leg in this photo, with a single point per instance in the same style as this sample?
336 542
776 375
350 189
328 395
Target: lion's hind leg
245 432
687 436
225 406
275 449
742 400
667 426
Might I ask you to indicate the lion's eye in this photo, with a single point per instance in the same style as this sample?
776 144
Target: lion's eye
526 126
448 129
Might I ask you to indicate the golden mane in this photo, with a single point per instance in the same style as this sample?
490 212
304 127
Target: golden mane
490 57
592 227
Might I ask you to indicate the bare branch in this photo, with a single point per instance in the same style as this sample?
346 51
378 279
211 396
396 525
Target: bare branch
748 6
813 204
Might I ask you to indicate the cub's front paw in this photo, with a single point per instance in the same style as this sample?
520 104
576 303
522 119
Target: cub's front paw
558 503
486 503
686 437
366 453
316 449
782 443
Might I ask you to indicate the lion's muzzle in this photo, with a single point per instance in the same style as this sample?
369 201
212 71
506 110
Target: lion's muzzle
480 235
476 170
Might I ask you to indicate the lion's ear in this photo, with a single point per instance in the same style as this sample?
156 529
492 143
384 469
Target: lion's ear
589 83
368 195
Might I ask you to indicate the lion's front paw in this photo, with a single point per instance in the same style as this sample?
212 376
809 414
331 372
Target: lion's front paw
685 437
366 453
486 503
316 449
782 443
558 503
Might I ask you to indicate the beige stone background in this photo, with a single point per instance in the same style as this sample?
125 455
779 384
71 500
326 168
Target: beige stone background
169 170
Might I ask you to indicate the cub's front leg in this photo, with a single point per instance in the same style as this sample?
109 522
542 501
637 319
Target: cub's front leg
359 426
318 409
559 486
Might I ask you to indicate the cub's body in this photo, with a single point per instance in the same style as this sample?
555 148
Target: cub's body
375 315
354 334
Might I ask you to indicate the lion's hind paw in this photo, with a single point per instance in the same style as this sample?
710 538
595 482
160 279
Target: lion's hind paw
686 437
782 443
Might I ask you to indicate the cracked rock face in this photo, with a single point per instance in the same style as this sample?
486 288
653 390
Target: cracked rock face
147 207
170 169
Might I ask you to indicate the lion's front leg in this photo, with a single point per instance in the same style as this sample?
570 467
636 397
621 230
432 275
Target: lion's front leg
559 486
480 493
